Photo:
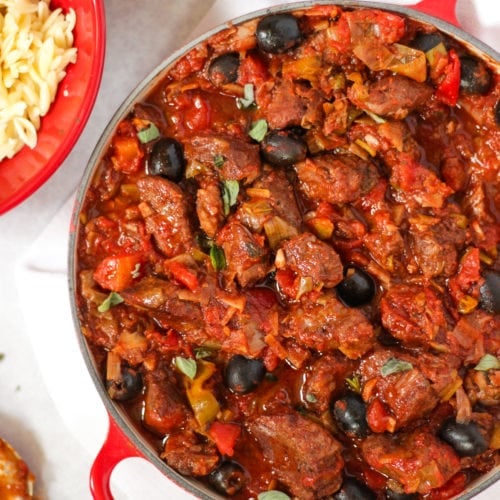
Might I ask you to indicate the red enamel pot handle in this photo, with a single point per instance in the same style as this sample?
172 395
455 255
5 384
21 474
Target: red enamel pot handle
116 448
443 9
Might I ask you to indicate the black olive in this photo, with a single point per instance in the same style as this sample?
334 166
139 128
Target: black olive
224 68
243 375
166 159
282 149
490 291
465 439
127 387
399 495
350 413
278 33
475 76
427 41
357 288
352 489
497 113
229 478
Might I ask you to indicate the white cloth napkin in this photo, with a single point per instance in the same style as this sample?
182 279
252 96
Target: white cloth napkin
42 283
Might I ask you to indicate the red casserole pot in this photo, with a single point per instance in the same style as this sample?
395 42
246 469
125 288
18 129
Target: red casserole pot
123 441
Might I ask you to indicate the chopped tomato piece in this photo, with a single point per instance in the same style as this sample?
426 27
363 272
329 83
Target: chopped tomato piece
287 283
449 87
225 436
118 272
252 70
183 275
379 418
127 154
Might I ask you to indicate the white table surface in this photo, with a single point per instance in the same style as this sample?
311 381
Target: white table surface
139 35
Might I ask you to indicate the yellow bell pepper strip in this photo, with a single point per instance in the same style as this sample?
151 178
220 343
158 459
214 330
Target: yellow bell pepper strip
203 403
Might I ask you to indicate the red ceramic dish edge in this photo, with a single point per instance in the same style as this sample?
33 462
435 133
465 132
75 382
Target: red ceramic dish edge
22 175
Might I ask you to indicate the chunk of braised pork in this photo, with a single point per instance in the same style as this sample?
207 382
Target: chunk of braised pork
325 378
163 299
247 257
190 454
164 208
209 207
418 460
240 160
394 96
394 399
335 178
271 195
325 324
304 455
309 257
414 314
164 408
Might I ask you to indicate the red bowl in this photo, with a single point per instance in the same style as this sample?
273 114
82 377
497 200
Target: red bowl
22 175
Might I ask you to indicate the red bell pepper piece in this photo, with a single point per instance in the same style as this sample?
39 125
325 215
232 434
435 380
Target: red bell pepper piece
449 87
183 275
225 436
118 272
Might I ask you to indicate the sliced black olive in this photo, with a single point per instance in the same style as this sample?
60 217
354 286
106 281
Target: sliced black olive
357 288
243 375
352 489
278 33
475 76
399 495
282 149
127 387
497 113
490 291
229 478
427 41
465 439
350 413
224 68
166 159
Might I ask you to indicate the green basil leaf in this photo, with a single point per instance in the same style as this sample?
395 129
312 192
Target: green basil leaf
148 134
488 362
248 99
394 365
113 299
273 495
217 258
186 365
230 190
258 130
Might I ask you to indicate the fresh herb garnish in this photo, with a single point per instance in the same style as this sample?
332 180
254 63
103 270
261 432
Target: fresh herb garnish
248 99
219 161
354 383
113 299
148 134
311 398
230 190
258 130
218 258
488 362
273 495
187 366
203 352
394 365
